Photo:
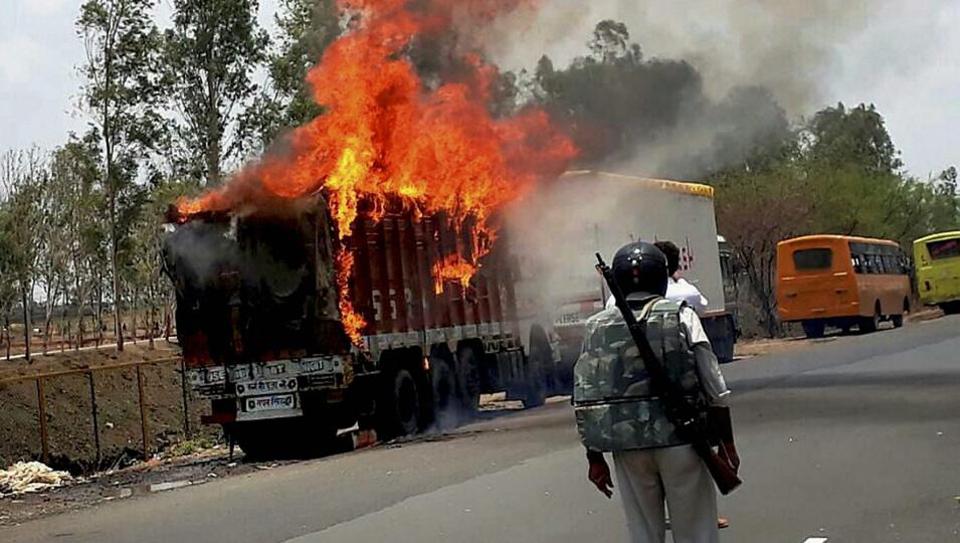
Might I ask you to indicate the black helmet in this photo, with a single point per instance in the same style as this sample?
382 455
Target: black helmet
641 267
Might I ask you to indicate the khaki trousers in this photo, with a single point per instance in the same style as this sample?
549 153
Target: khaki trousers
647 478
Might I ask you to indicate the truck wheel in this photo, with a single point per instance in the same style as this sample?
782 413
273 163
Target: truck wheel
813 329
468 380
284 438
256 446
445 402
398 411
535 393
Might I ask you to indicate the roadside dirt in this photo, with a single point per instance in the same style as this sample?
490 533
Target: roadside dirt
760 347
142 479
67 360
166 472
69 407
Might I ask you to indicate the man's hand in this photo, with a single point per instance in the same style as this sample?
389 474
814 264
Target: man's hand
599 475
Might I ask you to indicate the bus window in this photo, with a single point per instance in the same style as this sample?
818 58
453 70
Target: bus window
876 259
948 248
859 252
813 259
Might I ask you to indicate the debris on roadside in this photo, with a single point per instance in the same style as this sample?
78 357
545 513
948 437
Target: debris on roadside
28 477
169 485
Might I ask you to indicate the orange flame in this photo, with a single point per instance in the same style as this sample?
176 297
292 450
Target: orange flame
453 268
353 322
387 134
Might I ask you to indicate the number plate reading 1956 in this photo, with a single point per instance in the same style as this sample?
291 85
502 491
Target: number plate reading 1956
269 403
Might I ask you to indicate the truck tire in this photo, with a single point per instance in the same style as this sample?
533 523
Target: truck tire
535 393
813 329
468 380
285 438
398 407
257 446
446 403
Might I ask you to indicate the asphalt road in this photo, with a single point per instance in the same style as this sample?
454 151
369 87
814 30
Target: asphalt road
854 439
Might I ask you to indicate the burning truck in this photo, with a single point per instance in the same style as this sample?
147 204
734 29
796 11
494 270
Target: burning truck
358 272
264 339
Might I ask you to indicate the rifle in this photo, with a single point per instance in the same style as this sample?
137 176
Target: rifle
686 415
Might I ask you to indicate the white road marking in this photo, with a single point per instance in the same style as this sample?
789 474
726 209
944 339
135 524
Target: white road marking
816 540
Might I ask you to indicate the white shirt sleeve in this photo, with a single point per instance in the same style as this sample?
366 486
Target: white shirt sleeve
681 290
707 365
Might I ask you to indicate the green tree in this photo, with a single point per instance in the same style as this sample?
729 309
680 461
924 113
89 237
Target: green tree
8 283
153 289
54 207
307 27
21 177
838 174
756 209
8 279
853 136
211 53
121 94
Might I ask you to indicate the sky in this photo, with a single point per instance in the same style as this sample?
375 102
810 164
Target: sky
898 55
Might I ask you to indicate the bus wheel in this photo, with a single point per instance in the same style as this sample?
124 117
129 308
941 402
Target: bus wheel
870 324
813 329
398 411
898 319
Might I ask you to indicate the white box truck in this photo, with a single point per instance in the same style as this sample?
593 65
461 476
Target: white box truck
556 231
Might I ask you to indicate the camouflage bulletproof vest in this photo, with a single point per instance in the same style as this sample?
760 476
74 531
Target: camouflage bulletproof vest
615 407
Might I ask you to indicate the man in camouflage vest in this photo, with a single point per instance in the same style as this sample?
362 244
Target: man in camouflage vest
618 412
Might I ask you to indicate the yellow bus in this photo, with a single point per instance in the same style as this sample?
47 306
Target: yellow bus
937 259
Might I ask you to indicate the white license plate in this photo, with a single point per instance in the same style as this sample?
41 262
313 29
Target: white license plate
270 403
266 386
206 376
273 370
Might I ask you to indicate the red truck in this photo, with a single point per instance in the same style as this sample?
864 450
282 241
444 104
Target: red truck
262 335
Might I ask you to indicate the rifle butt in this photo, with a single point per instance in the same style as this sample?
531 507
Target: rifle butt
723 474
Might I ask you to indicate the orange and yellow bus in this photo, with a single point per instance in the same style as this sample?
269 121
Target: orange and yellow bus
937 258
841 281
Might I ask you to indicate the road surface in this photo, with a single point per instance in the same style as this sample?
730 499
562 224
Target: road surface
853 439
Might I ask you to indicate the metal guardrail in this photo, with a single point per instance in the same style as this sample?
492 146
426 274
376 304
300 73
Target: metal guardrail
41 379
